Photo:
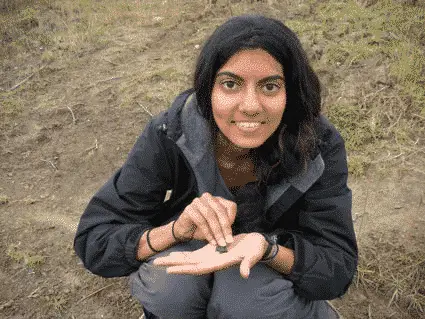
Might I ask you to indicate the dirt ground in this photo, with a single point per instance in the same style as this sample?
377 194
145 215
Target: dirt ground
80 117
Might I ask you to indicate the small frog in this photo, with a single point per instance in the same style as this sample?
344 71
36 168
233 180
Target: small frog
221 249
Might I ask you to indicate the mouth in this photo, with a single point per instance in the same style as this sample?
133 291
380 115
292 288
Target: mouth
246 124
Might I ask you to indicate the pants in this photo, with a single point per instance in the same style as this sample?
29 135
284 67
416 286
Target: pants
221 295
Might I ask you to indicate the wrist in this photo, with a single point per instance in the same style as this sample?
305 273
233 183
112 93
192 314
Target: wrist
176 236
273 253
272 247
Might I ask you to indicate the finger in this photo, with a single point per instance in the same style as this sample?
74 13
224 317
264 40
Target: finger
188 270
231 209
221 215
202 267
204 206
176 258
195 214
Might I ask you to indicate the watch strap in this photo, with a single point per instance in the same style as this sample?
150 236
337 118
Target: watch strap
272 241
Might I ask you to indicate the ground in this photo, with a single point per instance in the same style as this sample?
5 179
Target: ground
79 81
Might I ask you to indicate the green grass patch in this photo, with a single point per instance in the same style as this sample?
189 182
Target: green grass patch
4 199
28 258
354 124
10 104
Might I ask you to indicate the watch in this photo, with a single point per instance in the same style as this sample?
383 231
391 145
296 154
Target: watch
272 241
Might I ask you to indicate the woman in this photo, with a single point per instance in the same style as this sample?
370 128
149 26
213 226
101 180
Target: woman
258 223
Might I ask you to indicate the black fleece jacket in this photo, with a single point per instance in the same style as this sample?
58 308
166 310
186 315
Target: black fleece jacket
311 212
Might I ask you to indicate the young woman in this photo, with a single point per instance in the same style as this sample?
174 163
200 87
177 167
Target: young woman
234 202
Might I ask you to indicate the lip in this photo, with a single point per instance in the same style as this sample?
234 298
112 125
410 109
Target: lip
256 125
245 121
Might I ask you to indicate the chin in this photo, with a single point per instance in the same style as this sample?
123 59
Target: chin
248 144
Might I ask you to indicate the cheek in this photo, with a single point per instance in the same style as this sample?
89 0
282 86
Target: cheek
221 105
276 107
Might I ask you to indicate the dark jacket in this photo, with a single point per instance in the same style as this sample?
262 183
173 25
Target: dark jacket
310 212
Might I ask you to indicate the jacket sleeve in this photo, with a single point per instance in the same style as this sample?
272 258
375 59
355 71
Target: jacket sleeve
111 226
325 247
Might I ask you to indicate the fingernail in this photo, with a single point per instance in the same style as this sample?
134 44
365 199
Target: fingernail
229 239
222 242
213 242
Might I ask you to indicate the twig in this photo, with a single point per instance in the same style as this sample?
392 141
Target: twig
74 120
6 304
95 147
111 79
376 92
51 163
229 5
32 295
146 110
417 115
417 170
93 293
113 63
388 158
18 272
395 123
369 311
101 81
25 80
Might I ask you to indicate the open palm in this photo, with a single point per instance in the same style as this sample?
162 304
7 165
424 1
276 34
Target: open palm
246 250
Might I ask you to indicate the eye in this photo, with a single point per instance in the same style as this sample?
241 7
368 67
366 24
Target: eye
229 85
270 88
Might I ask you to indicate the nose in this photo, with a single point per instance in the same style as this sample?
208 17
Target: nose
250 103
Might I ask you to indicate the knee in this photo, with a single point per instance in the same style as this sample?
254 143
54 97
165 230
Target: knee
264 295
176 291
167 295
234 308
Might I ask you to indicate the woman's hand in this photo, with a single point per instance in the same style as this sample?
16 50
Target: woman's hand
207 218
246 249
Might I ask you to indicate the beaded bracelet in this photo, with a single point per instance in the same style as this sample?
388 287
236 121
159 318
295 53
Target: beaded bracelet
149 242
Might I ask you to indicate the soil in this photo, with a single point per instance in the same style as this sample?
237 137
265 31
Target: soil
54 159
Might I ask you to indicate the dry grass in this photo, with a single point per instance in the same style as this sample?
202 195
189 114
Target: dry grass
395 271
376 92
371 60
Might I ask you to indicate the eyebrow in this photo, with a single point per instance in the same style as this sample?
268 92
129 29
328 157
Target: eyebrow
240 79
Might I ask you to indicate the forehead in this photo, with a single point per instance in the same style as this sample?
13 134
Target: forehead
257 62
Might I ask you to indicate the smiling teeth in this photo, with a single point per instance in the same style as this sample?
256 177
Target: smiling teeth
248 124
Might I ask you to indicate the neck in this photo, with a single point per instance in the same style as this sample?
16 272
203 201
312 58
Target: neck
229 150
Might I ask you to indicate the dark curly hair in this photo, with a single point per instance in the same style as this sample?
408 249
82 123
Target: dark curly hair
287 151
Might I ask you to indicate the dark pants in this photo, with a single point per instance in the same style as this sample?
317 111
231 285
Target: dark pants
222 295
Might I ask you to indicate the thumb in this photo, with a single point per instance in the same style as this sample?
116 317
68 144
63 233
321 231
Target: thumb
247 263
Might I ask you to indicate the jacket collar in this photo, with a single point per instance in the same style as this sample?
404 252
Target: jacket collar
195 142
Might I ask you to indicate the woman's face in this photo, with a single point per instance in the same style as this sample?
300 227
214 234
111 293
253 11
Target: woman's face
249 97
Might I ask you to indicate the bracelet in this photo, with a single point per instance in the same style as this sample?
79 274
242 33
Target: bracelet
273 255
149 242
268 251
175 237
